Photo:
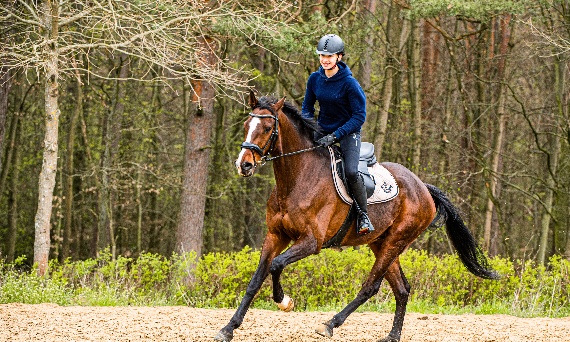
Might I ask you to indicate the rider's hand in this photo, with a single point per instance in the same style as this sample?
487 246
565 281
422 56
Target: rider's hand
327 140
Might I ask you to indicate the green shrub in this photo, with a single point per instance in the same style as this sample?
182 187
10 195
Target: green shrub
28 288
330 280
327 281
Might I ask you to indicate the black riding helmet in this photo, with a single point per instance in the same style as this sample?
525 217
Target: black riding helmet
330 44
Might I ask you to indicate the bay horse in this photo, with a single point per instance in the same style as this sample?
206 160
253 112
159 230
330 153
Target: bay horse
305 209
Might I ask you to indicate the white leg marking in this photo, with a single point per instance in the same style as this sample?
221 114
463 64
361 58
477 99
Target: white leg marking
286 304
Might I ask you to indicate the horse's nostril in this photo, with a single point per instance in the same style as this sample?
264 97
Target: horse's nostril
246 166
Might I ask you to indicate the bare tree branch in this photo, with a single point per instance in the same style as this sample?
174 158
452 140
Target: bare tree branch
560 44
157 33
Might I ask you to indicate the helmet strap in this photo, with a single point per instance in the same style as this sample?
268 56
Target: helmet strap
335 64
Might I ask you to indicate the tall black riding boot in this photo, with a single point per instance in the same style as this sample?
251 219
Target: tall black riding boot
363 224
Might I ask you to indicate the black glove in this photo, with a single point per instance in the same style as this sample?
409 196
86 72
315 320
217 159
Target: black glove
327 140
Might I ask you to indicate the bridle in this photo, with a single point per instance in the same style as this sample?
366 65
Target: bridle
254 148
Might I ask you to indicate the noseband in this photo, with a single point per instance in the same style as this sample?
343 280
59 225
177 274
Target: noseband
271 142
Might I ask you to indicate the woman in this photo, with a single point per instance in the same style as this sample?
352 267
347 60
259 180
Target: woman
341 115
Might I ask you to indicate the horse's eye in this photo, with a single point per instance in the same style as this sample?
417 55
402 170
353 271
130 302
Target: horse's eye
267 129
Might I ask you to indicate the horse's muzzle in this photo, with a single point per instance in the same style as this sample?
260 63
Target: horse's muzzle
245 168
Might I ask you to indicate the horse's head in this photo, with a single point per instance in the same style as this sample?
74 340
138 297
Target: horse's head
261 132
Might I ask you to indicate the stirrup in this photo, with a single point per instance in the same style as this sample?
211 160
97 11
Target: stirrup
363 224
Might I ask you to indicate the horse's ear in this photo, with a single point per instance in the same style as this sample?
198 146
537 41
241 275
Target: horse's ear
279 104
252 101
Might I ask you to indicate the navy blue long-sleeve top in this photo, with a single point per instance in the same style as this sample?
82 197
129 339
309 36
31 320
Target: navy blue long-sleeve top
341 100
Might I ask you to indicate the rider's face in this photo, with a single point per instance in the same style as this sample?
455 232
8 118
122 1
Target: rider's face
329 61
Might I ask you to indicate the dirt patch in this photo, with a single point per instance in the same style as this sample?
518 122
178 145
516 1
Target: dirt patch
48 322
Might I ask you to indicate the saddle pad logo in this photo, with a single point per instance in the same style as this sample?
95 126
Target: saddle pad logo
386 187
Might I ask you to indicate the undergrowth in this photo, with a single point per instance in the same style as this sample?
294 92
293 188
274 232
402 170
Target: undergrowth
326 282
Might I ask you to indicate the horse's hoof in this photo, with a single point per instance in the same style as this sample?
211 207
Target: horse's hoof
287 304
389 339
224 337
324 330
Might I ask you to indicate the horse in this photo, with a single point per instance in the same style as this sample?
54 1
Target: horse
305 209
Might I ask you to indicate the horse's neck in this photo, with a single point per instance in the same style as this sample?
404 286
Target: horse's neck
290 139
295 171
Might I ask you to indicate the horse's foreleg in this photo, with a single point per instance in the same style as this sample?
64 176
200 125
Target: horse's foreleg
301 249
384 258
271 247
401 289
227 332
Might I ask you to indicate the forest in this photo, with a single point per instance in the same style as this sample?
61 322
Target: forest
120 120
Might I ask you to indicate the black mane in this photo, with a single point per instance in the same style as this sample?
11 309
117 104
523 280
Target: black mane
306 125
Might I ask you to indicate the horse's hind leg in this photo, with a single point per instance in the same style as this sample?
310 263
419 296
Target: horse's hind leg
386 255
401 289
272 246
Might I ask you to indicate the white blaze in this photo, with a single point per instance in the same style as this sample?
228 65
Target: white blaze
252 126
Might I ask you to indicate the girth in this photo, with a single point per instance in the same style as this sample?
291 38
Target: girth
336 240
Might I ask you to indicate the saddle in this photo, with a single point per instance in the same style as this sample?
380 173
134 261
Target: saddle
366 159
380 185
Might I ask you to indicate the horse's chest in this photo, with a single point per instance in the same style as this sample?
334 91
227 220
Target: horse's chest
296 214
299 208
291 225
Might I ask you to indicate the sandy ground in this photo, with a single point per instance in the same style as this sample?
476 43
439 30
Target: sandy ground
48 322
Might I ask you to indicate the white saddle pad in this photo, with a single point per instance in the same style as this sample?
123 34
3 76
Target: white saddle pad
386 186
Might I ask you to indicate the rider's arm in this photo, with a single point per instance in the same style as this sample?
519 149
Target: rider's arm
357 100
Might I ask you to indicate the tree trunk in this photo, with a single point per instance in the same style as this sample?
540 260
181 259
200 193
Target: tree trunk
548 201
196 161
91 164
498 143
567 247
138 199
13 162
430 61
552 164
13 198
493 183
444 143
69 171
152 157
113 124
393 31
447 108
10 149
49 163
4 91
365 64
102 238
415 90
474 139
365 70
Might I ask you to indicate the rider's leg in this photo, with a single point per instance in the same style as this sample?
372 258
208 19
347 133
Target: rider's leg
350 147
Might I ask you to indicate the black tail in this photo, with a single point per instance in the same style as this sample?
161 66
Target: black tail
465 245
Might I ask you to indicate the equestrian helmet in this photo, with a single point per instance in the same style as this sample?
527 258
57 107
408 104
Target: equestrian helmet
330 44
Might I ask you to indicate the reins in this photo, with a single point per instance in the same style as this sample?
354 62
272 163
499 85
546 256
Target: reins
291 153
271 142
